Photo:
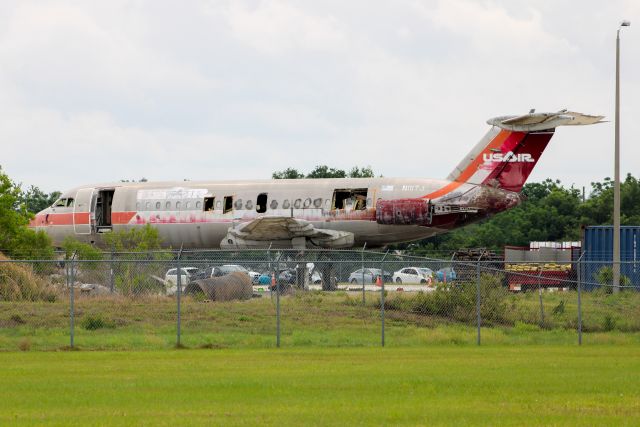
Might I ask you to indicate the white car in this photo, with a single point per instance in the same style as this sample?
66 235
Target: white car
172 275
413 275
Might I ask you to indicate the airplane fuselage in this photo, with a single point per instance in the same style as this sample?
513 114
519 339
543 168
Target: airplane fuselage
199 214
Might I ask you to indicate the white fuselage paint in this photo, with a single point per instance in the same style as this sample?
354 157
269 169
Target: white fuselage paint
176 208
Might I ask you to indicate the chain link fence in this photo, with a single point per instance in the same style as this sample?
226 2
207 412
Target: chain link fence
270 298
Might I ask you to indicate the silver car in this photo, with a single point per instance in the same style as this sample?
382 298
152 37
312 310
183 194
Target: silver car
370 275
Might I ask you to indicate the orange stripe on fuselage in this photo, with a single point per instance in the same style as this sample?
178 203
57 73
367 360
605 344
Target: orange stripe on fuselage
121 217
66 218
81 218
472 168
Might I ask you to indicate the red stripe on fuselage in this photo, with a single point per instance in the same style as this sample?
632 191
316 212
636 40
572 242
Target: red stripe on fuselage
67 218
121 217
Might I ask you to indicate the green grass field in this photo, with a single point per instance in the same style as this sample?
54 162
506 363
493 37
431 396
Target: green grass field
436 385
315 319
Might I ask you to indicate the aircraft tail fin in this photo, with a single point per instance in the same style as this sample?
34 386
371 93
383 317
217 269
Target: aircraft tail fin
506 155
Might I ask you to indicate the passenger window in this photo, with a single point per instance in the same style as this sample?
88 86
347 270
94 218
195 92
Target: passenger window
297 203
261 203
198 204
317 203
178 205
157 205
187 205
307 203
208 203
274 204
218 204
167 205
249 205
286 204
238 204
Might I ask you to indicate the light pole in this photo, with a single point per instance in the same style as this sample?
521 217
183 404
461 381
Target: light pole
616 178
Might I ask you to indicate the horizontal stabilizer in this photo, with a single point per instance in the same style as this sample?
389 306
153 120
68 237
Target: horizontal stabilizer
543 121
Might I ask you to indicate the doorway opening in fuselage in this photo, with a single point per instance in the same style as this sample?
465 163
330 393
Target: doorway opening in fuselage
350 198
228 204
103 206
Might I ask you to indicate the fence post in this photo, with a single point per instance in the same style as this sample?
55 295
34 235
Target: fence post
111 273
71 278
178 295
382 297
277 312
540 297
580 300
277 285
478 318
362 262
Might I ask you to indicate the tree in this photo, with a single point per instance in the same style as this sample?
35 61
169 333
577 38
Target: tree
36 200
139 275
16 239
364 172
138 239
288 173
324 171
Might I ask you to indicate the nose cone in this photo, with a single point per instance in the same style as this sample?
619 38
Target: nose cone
39 219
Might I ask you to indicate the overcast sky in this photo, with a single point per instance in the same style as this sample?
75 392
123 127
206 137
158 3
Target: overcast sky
222 90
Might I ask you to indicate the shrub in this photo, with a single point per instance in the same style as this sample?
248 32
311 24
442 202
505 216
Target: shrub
18 282
458 302
604 276
92 323
609 323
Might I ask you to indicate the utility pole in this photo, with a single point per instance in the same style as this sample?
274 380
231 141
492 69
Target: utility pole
616 181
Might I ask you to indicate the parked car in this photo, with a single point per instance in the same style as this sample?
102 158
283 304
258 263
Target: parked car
185 277
446 274
264 278
288 276
222 270
370 275
413 275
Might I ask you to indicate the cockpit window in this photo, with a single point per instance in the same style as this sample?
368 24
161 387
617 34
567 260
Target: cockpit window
70 202
60 203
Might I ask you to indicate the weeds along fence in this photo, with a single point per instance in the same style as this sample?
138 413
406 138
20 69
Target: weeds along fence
211 299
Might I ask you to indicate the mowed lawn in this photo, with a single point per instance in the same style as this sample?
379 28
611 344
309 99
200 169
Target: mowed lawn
436 385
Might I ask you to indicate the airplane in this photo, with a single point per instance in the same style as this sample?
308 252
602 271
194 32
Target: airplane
334 213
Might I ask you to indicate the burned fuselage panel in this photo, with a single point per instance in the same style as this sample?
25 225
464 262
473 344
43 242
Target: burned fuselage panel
403 212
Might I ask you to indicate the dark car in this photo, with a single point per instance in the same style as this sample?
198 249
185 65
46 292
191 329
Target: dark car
287 276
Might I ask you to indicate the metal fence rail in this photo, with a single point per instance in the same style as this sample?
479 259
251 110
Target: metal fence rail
271 298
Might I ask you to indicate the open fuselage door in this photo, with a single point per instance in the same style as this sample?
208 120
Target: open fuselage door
82 211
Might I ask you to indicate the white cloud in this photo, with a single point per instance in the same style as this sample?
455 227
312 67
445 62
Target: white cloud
275 27
239 89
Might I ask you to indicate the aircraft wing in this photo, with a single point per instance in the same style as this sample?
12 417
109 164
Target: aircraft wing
280 231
